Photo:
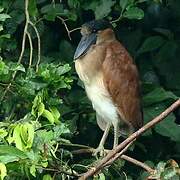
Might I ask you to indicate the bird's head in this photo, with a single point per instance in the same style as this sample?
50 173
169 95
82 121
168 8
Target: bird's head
94 27
89 32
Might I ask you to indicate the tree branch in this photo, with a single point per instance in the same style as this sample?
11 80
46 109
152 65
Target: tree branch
131 138
119 155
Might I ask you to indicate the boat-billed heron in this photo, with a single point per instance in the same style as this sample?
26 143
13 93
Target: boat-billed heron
110 79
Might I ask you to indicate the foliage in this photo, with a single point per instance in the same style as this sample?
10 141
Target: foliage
44 112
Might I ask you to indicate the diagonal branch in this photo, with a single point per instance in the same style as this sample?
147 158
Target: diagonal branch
131 138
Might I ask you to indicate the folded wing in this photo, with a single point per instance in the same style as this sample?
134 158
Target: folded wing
122 82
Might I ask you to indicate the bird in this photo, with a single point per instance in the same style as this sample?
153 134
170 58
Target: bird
111 81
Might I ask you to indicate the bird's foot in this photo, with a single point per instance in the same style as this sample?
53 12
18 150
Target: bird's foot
100 150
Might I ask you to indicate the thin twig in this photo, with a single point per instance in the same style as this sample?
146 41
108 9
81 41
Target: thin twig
75 145
75 29
31 49
83 151
73 173
136 134
119 18
66 27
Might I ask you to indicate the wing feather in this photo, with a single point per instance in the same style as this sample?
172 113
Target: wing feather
122 82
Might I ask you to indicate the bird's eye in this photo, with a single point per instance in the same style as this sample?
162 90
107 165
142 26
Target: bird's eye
94 30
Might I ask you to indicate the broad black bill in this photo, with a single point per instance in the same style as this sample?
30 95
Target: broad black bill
84 45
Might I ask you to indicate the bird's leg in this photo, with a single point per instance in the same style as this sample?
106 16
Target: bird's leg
116 138
100 148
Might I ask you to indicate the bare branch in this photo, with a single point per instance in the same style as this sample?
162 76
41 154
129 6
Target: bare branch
136 134
138 163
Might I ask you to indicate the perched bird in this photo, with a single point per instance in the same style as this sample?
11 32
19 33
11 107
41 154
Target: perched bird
111 80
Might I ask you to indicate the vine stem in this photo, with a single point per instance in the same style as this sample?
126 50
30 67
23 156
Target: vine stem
31 49
131 138
25 34
22 48
39 45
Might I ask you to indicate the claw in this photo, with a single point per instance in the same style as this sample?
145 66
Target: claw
100 150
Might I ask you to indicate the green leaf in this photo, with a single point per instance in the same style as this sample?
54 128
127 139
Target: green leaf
1 28
1 9
165 32
167 127
7 36
16 67
47 177
3 171
17 137
91 5
169 173
125 3
60 130
4 69
51 11
41 108
151 43
30 135
134 13
141 1
63 69
56 114
8 158
158 95
3 133
74 4
3 17
32 8
12 151
33 170
36 102
66 50
104 8
100 176
47 114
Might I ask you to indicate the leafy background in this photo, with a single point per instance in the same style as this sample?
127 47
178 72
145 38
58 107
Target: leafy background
44 112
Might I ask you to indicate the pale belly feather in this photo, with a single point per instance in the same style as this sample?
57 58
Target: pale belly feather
96 91
102 102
